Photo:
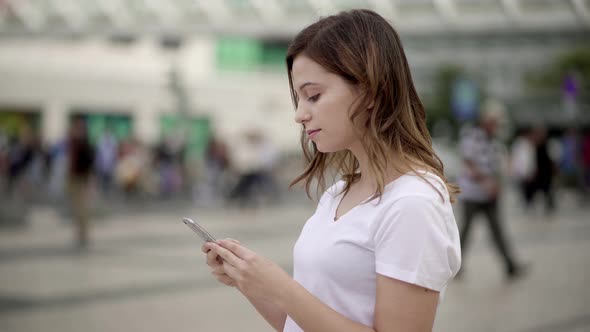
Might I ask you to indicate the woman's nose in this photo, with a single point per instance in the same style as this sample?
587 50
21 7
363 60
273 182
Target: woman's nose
302 115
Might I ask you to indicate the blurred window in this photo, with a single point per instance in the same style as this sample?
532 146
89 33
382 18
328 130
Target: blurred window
274 53
238 54
242 54
99 121
197 129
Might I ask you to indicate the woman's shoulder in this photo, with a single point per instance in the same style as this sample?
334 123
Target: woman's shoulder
415 198
425 185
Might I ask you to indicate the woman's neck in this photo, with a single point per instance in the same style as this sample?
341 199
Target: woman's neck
368 179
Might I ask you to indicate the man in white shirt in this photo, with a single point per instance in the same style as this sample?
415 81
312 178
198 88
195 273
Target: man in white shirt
480 186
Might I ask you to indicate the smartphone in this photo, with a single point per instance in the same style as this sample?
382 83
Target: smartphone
201 232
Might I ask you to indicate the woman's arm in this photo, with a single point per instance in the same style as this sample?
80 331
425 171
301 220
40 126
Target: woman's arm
269 311
399 306
311 314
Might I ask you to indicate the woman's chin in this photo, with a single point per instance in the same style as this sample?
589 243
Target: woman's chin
326 148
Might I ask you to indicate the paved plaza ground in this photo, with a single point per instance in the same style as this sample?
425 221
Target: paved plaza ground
144 272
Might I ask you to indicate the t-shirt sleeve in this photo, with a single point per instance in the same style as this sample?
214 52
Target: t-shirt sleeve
413 243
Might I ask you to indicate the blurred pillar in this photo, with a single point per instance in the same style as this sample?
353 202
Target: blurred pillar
146 124
198 59
54 121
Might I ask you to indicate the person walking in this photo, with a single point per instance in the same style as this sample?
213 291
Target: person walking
81 165
480 181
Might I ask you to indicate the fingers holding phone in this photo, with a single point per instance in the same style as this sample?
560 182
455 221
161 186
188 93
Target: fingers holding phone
213 259
215 263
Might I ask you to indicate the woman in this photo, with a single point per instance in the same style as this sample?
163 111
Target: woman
383 242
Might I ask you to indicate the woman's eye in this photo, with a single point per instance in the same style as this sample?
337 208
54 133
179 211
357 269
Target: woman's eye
314 98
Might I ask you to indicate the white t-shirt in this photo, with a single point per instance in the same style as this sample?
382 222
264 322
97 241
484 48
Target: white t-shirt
410 235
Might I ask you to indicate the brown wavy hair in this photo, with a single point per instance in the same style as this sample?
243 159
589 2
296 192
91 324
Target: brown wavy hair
361 47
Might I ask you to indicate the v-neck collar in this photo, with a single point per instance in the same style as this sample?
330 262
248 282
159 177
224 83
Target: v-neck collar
333 218
341 195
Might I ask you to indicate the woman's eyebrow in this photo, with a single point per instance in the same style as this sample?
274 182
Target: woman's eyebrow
306 84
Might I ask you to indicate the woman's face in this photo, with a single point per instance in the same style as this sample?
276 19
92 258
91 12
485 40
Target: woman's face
324 103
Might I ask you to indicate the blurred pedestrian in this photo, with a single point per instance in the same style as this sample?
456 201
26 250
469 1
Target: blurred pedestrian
585 162
106 160
210 189
570 161
383 242
523 164
131 168
269 156
545 171
170 154
4 153
480 183
248 163
58 170
21 154
81 165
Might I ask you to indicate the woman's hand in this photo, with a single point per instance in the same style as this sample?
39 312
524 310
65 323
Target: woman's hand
215 263
252 274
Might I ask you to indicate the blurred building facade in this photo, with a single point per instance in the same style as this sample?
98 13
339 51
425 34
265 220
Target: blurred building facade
152 68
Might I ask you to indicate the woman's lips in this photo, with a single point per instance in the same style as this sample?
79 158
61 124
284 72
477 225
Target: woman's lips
312 133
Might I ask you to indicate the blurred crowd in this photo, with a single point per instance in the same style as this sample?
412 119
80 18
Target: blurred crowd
78 175
126 168
542 162
114 170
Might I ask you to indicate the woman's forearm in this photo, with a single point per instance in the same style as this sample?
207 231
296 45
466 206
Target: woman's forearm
312 315
270 312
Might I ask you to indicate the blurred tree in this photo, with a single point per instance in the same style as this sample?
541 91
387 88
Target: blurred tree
551 78
439 107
